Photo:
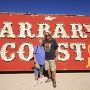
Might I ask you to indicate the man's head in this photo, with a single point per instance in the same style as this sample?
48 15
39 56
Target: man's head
47 35
40 41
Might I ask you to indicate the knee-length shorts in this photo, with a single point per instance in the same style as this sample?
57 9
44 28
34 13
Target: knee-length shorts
50 65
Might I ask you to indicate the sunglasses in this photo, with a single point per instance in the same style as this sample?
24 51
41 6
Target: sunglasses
48 35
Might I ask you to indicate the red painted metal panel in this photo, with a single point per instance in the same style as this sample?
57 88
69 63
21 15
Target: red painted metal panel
16 48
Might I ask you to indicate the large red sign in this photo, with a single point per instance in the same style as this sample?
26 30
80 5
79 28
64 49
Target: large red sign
19 33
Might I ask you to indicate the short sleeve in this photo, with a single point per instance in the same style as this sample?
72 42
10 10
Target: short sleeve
35 49
55 44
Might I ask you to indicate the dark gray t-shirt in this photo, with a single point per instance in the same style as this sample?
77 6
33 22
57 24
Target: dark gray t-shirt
50 47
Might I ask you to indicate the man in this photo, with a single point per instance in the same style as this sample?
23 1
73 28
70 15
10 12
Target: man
51 56
39 57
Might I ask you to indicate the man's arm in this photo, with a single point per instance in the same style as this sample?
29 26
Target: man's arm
34 53
56 50
34 57
56 54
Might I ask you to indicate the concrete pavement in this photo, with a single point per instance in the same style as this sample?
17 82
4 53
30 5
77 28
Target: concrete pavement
65 81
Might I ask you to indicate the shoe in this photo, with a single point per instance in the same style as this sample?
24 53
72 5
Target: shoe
40 80
35 83
54 83
48 80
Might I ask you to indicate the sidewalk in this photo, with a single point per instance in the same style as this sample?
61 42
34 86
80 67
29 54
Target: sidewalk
65 81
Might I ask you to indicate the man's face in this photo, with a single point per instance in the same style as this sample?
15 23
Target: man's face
48 37
40 42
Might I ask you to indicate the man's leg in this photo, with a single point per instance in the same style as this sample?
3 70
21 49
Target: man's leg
53 69
36 76
54 75
49 77
49 73
54 78
41 72
47 67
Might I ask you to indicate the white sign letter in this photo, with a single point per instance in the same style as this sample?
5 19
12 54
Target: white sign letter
78 50
60 30
7 29
77 29
43 27
21 51
25 27
4 52
65 52
87 26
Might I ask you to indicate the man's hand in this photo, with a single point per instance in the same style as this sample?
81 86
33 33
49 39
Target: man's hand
56 59
34 60
56 53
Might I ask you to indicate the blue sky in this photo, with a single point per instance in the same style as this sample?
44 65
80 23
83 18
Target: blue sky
77 7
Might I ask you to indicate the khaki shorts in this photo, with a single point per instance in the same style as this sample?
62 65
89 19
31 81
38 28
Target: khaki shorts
50 65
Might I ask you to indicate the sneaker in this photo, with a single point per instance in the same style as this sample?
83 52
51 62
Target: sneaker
40 80
54 83
35 83
48 80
